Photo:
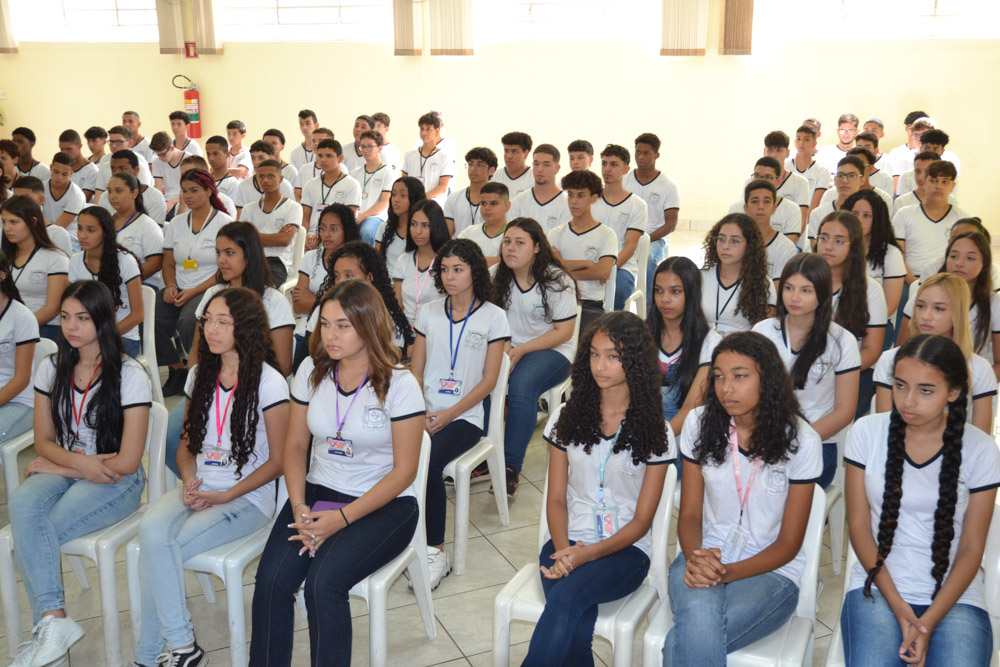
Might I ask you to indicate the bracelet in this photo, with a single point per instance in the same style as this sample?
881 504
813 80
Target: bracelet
346 522
170 285
296 505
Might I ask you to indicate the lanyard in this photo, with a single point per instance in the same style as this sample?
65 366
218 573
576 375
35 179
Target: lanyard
230 158
78 416
367 177
194 234
740 496
20 271
132 218
420 283
604 463
452 346
336 379
220 422
718 286
322 185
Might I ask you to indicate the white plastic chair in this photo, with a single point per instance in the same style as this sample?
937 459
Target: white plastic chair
148 356
609 290
559 393
523 598
489 449
792 643
636 302
228 562
836 509
99 546
9 450
298 249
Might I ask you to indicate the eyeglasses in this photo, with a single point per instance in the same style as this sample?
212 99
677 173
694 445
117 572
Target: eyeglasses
763 177
734 241
115 142
219 325
840 243
367 147
847 131
476 165
850 178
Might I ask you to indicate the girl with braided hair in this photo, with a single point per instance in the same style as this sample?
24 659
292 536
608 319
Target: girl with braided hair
920 488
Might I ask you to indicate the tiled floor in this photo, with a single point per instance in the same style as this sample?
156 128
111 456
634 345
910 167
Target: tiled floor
462 604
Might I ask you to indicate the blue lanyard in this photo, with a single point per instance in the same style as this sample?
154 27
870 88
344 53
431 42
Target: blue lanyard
453 347
604 463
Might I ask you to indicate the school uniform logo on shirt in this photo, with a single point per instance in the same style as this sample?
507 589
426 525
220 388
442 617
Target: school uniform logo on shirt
592 253
475 340
629 468
623 218
539 312
819 370
775 480
6 347
654 197
38 277
375 418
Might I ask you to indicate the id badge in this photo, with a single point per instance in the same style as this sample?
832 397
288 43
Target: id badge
605 521
77 447
450 386
215 457
190 264
736 541
340 447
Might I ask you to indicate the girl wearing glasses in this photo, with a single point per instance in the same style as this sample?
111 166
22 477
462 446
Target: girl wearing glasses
234 431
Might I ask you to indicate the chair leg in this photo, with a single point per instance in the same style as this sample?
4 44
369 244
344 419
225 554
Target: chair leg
501 634
425 603
836 523
108 582
134 590
207 586
378 625
11 476
80 570
237 622
462 491
8 592
499 472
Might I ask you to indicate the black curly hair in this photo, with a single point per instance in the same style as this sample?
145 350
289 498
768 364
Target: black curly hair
110 271
547 271
252 341
694 325
881 235
852 309
944 355
415 192
469 252
981 288
643 430
755 289
813 268
775 436
348 220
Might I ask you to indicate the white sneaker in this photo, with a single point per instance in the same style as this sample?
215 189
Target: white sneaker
25 652
440 565
55 636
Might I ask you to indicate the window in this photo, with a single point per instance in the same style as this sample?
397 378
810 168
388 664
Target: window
569 21
304 20
84 20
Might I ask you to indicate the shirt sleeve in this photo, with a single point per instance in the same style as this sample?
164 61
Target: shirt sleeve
899 225
135 389
397 270
405 398
499 326
860 442
352 192
563 304
422 326
640 219
877 310
806 464
25 329
882 373
279 311
671 195
548 433
168 235
689 434
301 387
850 355
128 267
609 245
45 375
772 294
273 389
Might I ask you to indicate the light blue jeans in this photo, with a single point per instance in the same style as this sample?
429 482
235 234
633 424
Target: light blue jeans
132 346
872 635
169 534
175 424
657 251
535 374
15 419
624 286
368 227
48 510
710 623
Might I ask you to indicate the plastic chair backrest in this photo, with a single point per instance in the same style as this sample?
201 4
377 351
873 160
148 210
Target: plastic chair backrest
419 485
43 348
642 257
298 249
991 574
496 428
156 448
149 324
609 290
812 544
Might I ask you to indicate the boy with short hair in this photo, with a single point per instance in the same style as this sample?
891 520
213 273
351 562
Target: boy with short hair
581 154
494 204
352 153
922 230
276 216
917 196
250 189
390 151
870 141
238 158
179 123
63 199
27 165
806 167
84 171
875 179
376 178
760 200
167 166
9 155
789 185
786 215
830 155
217 156
461 209
34 188
311 170
544 203
587 249
515 174
662 197
97 139
934 141
120 139
332 187
276 138
433 162
126 161
140 144
303 153
874 126
850 174
901 157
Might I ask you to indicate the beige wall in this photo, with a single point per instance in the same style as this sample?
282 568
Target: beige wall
711 112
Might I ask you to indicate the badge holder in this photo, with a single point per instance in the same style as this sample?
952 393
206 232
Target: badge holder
450 386
605 521
736 542
340 447
190 264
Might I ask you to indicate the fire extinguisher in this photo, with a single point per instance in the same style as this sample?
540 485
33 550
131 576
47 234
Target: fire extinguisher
192 105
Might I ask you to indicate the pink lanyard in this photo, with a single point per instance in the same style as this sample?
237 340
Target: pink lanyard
742 497
420 284
336 379
220 421
78 416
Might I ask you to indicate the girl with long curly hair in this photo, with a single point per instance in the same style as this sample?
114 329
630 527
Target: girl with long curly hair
607 462
102 258
425 235
357 416
391 234
821 356
540 298
736 579
456 355
234 441
940 307
736 291
91 413
921 485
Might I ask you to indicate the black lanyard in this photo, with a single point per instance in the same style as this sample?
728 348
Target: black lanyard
718 286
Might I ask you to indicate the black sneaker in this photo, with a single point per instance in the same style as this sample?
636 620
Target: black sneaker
513 479
481 473
192 657
174 386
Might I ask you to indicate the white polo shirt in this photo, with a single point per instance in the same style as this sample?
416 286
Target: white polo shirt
190 147
592 245
878 315
787 216
925 239
982 380
462 211
526 313
719 302
796 188
60 238
38 170
301 157
128 269
145 239
32 278
831 195
248 192
171 175
313 268
240 159
352 158
815 174
397 244
317 195
629 214
660 194
228 185
18 326
829 156
490 245
911 198
779 251
85 177
72 201
104 172
152 200
199 248
418 286
287 212
515 186
373 185
893 266
290 174
549 214
431 169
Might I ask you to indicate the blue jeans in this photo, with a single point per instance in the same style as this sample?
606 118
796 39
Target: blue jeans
866 389
341 561
15 419
624 286
449 443
829 464
565 630
535 373
301 352
175 424
710 623
49 510
169 534
872 635
132 346
657 251
368 227
51 331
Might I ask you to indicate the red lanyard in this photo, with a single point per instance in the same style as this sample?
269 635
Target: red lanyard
742 497
220 421
78 416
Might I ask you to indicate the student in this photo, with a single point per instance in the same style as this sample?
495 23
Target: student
790 185
611 414
884 258
103 259
84 171
850 173
189 268
760 203
963 226
276 216
391 235
922 229
376 180
820 355
426 234
88 471
830 155
901 157
941 307
39 269
493 208
540 299
786 215
806 166
585 248
515 173
662 197
545 202
461 209
139 143
683 337
623 212
238 158
364 461
455 377
119 139
27 165
179 123
736 290
35 189
9 156
63 198
135 229
390 151
353 157
921 162
18 335
217 155
879 176
736 581
276 138
581 155
867 158
313 170
933 141
228 466
332 187
917 572
153 202
433 162
167 166
192 162
302 154
250 189
97 139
